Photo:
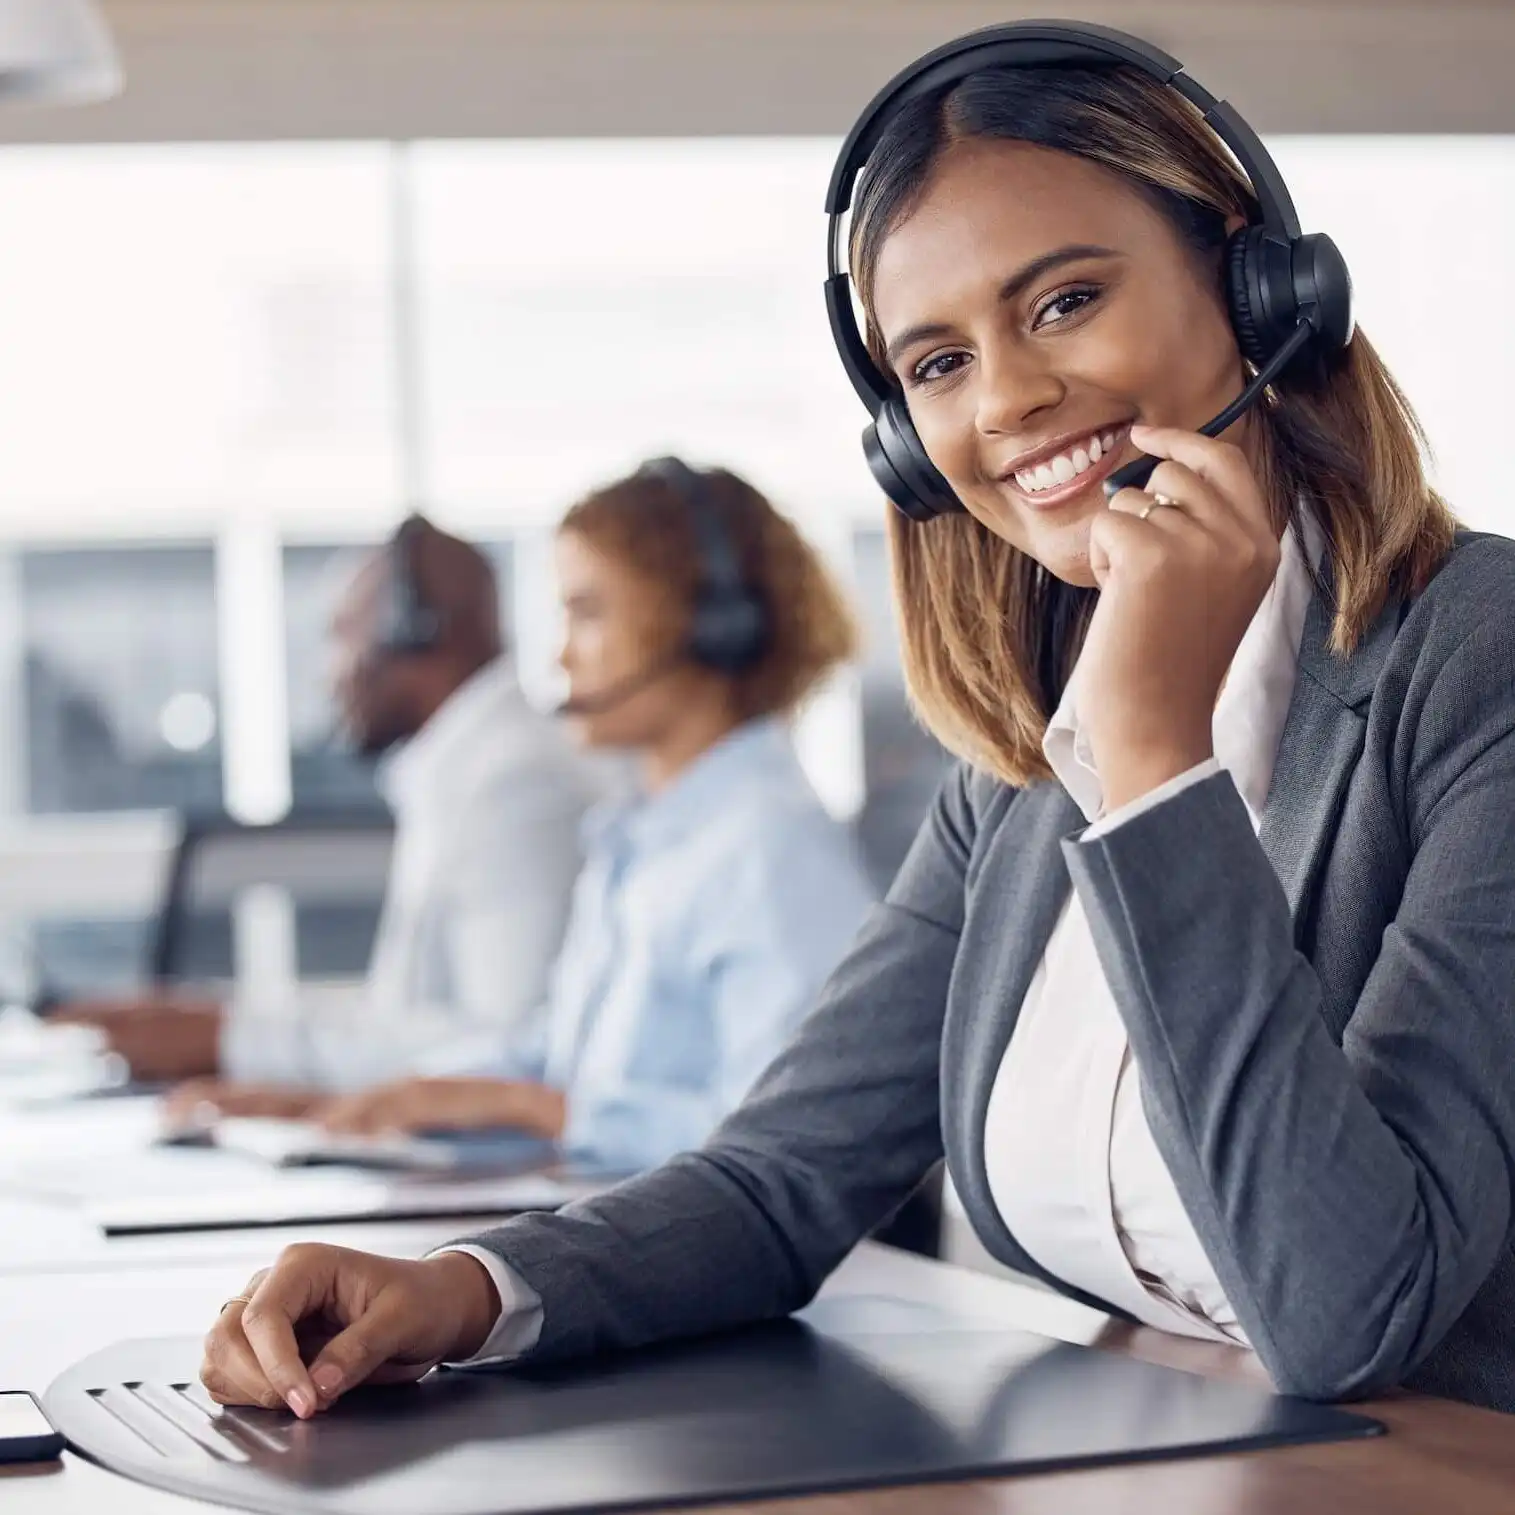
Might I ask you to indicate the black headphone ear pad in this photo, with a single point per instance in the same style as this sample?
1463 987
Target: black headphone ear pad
901 468
886 476
1243 293
729 632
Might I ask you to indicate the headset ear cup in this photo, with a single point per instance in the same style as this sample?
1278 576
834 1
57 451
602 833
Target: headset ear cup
1243 297
900 465
729 633
893 487
1323 285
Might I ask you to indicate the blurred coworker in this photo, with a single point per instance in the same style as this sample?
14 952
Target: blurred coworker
488 798
713 906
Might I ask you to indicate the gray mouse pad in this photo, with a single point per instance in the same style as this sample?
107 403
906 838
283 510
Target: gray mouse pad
852 1393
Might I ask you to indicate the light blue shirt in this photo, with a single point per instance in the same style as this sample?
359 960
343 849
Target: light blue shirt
704 922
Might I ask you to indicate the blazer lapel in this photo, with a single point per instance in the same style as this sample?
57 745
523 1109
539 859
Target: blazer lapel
984 1011
1321 744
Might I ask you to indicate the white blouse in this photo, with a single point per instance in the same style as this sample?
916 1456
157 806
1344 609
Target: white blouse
1072 1164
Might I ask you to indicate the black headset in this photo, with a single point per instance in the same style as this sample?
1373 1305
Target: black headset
729 628
1286 293
407 624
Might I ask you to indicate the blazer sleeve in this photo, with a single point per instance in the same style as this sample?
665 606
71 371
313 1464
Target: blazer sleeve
1351 1198
833 1137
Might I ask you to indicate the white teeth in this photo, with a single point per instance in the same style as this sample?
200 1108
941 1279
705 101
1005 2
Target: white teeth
1068 465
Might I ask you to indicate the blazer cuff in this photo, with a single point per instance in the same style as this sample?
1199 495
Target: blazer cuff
1146 886
1151 800
519 1324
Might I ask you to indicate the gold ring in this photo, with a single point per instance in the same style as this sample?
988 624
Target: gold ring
1152 504
237 1299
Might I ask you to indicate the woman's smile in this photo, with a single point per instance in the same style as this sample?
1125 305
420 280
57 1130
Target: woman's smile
1065 470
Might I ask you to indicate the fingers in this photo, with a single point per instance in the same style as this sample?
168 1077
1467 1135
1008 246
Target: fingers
300 1283
404 1106
358 1353
1212 477
230 1371
360 1114
240 1099
191 1101
1222 465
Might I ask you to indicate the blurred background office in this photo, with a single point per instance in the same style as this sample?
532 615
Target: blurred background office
326 261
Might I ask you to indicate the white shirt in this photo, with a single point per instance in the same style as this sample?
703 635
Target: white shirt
488 800
1072 1164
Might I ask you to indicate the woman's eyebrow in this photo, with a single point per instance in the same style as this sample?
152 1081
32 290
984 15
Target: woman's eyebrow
1013 287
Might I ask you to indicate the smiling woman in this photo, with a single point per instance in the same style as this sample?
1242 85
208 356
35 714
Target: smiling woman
1200 970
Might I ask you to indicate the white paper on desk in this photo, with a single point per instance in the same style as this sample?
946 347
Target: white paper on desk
334 1194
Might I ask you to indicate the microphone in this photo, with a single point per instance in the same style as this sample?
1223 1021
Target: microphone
622 690
1134 475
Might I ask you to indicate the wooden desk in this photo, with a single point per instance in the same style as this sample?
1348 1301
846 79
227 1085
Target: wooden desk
1438 1457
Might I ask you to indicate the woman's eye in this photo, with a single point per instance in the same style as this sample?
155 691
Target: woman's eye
939 367
1067 303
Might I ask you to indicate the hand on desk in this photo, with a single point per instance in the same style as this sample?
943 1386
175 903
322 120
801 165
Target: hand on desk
449 1104
324 1319
183 1104
160 1037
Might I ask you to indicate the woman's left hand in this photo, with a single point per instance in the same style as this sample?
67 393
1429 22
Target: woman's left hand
1177 592
448 1104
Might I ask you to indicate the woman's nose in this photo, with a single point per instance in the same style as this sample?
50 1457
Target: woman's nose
1014 387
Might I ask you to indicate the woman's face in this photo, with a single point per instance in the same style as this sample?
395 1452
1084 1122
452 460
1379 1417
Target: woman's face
627 689
1034 306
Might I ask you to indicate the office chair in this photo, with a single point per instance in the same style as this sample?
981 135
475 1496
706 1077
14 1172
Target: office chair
332 863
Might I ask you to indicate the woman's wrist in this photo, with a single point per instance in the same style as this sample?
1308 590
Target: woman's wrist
466 1280
1132 772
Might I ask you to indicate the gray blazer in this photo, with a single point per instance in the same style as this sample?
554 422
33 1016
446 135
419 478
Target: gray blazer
1323 1014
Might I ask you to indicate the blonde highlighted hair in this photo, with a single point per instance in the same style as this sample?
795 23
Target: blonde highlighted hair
989 637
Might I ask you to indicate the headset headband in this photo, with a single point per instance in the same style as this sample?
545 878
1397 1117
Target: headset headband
720 565
1019 44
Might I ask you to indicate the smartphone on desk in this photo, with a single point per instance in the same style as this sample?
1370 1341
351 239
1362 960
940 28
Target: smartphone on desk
26 1434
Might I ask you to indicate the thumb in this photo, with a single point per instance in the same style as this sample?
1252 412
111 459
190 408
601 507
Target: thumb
353 1355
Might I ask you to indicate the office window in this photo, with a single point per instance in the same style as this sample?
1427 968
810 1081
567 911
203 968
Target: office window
1429 301
122 689
194 329
587 304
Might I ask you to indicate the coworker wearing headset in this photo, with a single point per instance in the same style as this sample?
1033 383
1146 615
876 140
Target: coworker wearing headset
488 796
1201 969
713 905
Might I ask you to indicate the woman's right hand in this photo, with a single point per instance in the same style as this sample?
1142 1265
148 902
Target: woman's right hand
448 1104
324 1319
